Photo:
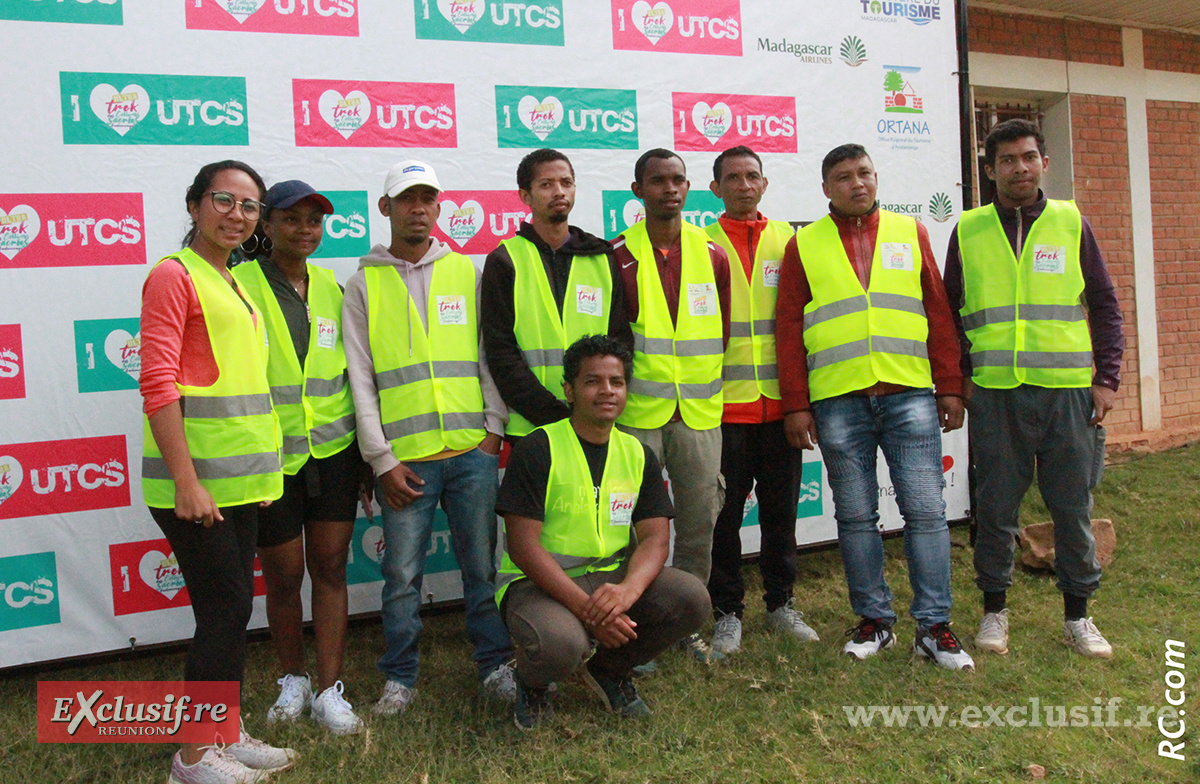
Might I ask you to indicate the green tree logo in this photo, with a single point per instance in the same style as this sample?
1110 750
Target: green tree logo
853 52
940 208
893 82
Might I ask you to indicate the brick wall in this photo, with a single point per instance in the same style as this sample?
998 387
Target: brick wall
1043 36
1175 200
1168 51
1101 148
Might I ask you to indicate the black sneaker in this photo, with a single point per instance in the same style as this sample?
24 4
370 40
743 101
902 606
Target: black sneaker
533 706
938 643
620 696
870 637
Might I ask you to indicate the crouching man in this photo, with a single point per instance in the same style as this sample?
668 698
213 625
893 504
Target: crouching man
575 588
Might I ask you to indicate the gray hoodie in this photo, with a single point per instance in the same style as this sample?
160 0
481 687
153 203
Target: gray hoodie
375 447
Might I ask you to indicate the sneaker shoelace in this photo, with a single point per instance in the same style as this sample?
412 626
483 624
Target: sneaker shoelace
945 639
339 702
292 688
865 630
1089 632
221 760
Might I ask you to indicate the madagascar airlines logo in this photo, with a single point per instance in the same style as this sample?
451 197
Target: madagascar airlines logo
940 208
71 229
373 114
12 365
55 477
146 576
306 17
703 121
689 26
475 222
490 21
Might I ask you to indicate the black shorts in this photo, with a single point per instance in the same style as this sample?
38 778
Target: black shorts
324 489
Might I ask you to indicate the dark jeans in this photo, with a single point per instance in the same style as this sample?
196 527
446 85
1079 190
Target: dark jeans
218 566
748 453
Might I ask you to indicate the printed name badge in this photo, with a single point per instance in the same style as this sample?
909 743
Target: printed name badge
1050 258
327 331
620 508
897 256
452 309
771 272
702 299
589 300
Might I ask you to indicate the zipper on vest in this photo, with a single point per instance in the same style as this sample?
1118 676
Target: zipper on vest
1019 242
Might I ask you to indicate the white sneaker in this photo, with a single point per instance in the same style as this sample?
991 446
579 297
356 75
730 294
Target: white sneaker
215 767
501 683
870 637
1084 637
395 699
294 698
331 711
993 632
937 642
789 620
254 753
727 637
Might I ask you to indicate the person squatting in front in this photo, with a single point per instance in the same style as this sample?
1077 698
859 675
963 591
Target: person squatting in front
582 583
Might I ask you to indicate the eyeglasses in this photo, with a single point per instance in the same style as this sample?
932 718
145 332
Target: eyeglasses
224 203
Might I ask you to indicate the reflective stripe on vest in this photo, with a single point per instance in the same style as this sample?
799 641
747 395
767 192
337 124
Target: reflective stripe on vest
1025 321
540 331
231 429
678 364
857 338
582 532
750 370
427 406
315 407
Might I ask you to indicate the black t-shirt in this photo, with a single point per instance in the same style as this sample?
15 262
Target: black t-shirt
523 491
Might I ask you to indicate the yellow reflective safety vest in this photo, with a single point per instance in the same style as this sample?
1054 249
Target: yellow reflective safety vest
750 370
1024 318
232 431
584 532
315 407
856 338
428 378
541 333
678 364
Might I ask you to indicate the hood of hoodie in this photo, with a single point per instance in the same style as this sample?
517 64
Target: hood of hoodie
380 256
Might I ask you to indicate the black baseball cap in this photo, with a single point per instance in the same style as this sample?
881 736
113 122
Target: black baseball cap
284 194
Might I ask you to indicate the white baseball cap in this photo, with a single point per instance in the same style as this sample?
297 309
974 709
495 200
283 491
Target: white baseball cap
406 174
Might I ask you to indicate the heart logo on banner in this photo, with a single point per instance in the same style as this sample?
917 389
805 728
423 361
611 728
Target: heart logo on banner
124 351
345 114
461 223
712 121
541 117
461 13
161 572
11 476
241 10
19 227
653 20
947 463
120 109
634 211
372 543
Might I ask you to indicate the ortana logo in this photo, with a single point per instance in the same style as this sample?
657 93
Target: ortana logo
346 229
903 125
105 12
12 364
466 214
765 123
28 591
692 26
490 21
108 354
88 229
124 108
146 576
306 17
566 118
899 94
919 12
373 114
853 51
622 210
55 477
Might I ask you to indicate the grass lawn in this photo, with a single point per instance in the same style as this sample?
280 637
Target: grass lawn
775 713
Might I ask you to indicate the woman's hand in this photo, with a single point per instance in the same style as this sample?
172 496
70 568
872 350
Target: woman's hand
194 503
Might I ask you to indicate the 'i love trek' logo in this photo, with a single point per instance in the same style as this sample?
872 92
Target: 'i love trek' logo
622 209
54 477
28 591
108 354
373 114
490 21
146 576
566 118
346 229
306 17
762 122
105 12
12 363
695 26
71 229
474 222
123 108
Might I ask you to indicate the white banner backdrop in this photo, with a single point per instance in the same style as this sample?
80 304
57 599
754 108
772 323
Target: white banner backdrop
120 101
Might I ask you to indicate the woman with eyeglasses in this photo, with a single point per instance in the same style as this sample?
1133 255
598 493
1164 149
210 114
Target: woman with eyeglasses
323 470
211 453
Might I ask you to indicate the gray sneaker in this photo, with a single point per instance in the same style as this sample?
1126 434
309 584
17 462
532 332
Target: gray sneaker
501 683
1085 638
993 632
695 646
789 620
727 637
395 699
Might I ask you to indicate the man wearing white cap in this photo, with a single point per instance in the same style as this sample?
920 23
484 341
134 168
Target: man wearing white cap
430 421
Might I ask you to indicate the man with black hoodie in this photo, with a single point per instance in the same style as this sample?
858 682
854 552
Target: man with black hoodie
541 291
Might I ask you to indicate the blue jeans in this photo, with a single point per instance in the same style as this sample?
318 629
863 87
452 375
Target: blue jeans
851 429
466 487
